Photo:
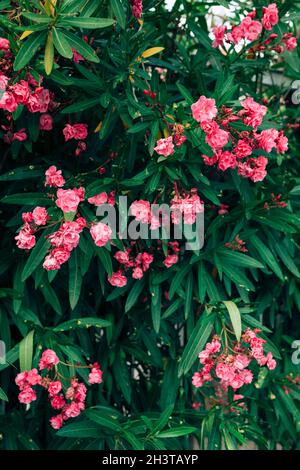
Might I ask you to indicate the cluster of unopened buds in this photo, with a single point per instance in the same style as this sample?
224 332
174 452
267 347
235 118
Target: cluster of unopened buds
292 382
251 29
237 245
70 401
230 367
275 202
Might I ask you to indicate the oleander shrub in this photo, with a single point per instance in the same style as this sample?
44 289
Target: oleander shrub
111 341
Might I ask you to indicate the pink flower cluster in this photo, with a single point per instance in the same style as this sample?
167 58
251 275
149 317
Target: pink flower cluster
220 132
251 29
166 146
69 199
186 206
103 198
139 265
54 178
70 403
32 220
231 367
63 242
137 8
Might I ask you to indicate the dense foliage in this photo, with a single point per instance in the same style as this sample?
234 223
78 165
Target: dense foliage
100 100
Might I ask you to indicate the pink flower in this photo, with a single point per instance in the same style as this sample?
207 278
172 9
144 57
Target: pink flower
217 138
54 177
25 238
58 402
141 211
137 273
95 376
67 236
33 377
165 146
27 395
227 160
137 8
42 96
241 361
48 359
75 131
197 380
267 139
54 388
236 34
251 28
67 200
282 143
242 149
146 260
253 112
290 42
204 109
46 122
8 102
40 216
122 257
225 372
117 279
20 135
219 32
4 44
101 233
71 411
21 92
57 421
21 380
270 16
270 361
98 199
179 139
210 161
170 260
3 81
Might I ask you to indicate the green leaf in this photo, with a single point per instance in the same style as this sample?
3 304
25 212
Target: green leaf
104 421
3 395
26 352
155 291
75 280
235 317
177 432
35 258
85 322
105 259
82 105
267 256
134 294
29 49
87 23
61 44
81 429
30 199
178 278
119 9
82 47
196 342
